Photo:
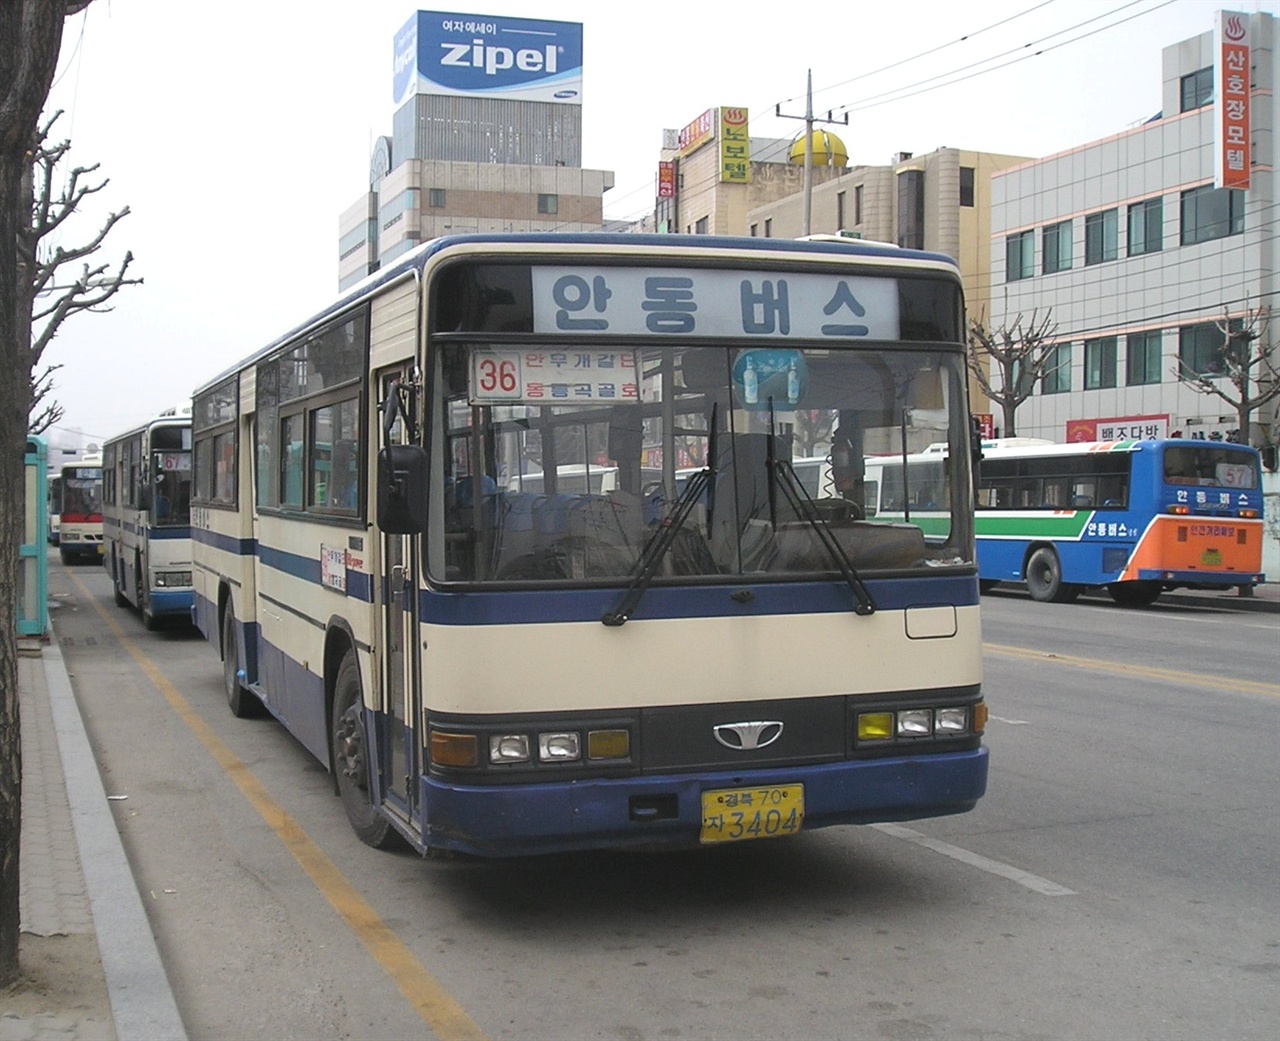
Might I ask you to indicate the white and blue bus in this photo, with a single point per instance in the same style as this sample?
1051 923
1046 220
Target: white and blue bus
80 509
147 517
401 554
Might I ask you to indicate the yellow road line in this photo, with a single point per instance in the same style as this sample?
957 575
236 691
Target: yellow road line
1174 676
446 1018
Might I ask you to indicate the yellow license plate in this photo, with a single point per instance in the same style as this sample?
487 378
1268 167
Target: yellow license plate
734 814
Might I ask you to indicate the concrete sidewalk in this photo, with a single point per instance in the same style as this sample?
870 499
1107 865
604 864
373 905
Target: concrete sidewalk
86 948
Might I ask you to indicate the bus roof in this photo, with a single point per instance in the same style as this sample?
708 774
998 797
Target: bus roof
1049 448
574 244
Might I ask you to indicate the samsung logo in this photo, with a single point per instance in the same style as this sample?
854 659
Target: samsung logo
565 94
492 60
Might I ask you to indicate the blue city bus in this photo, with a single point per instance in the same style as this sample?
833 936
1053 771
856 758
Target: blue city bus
1136 517
402 552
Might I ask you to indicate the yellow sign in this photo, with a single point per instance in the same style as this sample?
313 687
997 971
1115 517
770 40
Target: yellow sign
735 147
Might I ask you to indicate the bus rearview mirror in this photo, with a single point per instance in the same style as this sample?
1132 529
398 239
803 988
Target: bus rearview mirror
402 489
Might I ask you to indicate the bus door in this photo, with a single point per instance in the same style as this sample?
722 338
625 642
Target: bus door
396 737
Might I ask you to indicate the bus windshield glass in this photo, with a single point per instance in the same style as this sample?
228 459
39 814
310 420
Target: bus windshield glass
82 491
544 479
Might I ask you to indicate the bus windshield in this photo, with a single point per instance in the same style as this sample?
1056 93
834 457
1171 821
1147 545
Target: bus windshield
546 489
82 492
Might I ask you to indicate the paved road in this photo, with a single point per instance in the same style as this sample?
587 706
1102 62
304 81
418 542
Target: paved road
1118 880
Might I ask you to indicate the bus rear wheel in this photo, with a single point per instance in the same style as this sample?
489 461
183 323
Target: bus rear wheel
1044 578
351 760
1135 594
242 702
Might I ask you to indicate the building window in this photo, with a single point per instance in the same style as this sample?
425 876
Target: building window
966 185
1211 213
753 230
1200 348
1197 89
1146 227
1142 358
768 227
1057 371
839 210
435 198
1101 231
700 226
1019 256
1100 363
857 204
549 204
1057 247
911 209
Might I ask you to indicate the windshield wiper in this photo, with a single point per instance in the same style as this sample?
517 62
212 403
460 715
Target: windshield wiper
803 506
656 548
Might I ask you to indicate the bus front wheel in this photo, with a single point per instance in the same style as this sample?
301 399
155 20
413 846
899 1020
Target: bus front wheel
1044 578
1135 594
350 750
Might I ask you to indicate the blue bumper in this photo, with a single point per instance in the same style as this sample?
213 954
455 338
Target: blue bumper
519 820
165 603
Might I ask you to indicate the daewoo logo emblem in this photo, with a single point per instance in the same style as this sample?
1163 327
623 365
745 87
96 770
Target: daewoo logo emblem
746 737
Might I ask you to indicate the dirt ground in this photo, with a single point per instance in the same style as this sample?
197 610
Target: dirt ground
61 990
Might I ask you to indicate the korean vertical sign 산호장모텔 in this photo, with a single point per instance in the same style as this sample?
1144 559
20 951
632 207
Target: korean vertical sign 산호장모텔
1231 100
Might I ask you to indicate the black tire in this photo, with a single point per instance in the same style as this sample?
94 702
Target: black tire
1135 594
66 557
1044 578
243 703
351 761
121 599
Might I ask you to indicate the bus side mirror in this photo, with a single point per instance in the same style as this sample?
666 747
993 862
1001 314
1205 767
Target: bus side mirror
402 489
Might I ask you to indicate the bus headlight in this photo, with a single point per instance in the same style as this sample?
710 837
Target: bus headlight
172 579
508 748
951 720
559 746
915 722
875 726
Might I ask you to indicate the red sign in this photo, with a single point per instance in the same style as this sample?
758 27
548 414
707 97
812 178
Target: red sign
699 132
666 180
986 425
1231 101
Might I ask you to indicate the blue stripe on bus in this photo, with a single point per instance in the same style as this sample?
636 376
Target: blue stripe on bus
226 543
588 605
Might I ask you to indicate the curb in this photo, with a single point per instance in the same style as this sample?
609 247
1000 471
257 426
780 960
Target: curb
142 1001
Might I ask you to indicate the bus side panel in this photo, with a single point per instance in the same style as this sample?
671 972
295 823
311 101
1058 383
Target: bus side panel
297 603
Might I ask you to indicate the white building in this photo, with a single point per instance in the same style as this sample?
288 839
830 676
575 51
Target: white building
1138 256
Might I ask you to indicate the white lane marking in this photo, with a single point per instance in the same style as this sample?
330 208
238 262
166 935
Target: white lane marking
1024 878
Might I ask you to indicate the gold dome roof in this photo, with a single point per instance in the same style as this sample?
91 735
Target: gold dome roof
828 150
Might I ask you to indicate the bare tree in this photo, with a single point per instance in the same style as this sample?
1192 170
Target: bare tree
30 37
1243 370
1008 362
56 301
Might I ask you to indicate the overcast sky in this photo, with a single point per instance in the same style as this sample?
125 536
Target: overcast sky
236 131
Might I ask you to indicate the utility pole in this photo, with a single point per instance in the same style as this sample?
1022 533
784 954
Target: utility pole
809 120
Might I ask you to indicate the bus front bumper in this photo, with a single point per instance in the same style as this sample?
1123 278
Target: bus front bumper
666 811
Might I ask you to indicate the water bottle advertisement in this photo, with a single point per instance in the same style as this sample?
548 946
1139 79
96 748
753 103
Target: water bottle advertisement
759 375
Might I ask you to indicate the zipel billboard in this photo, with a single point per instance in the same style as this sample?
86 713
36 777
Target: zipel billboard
488 56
